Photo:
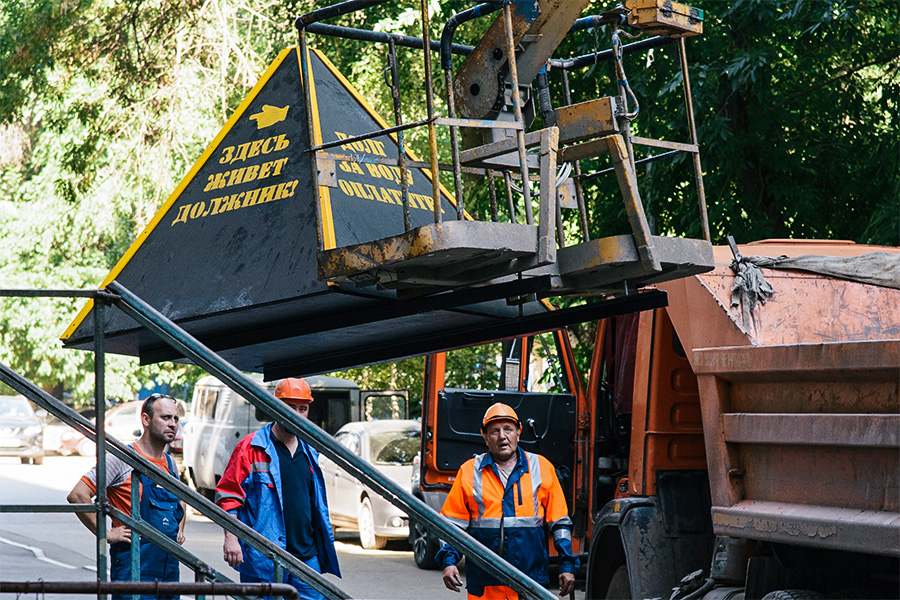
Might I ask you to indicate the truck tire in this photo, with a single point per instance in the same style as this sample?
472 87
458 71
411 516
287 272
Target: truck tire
793 595
424 546
619 586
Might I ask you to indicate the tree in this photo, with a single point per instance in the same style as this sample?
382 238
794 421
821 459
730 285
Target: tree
105 105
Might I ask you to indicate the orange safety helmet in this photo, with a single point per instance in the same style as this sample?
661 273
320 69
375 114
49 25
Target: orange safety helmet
293 388
500 412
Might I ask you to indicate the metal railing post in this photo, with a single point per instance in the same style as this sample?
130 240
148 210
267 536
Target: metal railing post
517 112
698 169
401 144
429 101
100 412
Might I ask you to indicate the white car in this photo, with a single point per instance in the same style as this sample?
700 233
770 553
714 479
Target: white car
389 445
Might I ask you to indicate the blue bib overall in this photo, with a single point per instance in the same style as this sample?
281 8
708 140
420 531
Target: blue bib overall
161 509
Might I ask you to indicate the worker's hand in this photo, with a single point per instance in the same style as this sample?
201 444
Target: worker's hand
118 534
566 584
451 578
232 548
180 538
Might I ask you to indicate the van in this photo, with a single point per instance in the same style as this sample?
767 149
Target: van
220 417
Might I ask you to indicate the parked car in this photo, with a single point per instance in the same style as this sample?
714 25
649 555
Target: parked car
425 544
123 422
65 441
389 445
21 431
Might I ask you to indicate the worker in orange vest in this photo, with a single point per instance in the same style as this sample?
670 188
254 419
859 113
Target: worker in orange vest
508 499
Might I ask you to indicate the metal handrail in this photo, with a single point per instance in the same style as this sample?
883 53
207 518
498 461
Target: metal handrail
182 491
366 473
253 590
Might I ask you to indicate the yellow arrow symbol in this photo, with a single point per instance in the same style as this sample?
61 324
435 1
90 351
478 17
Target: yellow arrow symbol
269 116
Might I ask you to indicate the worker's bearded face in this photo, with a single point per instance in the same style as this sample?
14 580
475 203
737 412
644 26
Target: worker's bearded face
502 439
163 425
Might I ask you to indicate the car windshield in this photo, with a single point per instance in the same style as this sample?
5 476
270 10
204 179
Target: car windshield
15 407
394 447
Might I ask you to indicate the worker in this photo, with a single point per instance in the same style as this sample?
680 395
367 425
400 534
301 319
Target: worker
504 499
273 484
159 507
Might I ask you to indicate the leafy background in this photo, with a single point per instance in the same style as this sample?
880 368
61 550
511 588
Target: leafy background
105 105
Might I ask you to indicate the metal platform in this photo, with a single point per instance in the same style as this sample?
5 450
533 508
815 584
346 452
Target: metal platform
602 265
453 253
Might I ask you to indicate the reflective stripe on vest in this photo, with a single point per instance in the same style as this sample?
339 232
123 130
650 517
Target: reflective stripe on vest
489 523
534 466
477 488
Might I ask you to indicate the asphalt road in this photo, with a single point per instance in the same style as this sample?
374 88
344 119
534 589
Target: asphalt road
56 547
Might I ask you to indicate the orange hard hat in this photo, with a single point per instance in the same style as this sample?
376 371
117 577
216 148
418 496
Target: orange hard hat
500 412
293 388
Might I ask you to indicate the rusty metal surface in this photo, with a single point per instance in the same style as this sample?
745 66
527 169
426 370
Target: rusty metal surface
871 532
877 431
606 262
545 34
477 85
461 246
480 155
582 151
585 120
801 410
806 308
664 17
642 141
862 361
480 123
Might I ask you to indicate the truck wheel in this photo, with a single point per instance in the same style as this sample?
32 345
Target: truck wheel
366 522
793 595
619 585
425 546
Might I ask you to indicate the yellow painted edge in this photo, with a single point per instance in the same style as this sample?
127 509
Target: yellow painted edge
374 114
178 190
328 237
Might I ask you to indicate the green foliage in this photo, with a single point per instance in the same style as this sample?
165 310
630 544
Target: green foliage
104 106
404 374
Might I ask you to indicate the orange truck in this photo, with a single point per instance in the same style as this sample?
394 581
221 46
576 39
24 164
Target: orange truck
742 442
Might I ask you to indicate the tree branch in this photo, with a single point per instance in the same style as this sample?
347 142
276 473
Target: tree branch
882 59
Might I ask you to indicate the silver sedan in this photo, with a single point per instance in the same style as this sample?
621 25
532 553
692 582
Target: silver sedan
389 445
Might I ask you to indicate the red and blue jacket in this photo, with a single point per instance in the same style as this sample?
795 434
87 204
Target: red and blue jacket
513 521
250 489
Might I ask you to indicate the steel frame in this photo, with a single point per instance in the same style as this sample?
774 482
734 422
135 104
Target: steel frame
120 297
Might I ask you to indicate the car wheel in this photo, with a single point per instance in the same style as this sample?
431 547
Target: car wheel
24 460
425 547
366 521
37 460
86 448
